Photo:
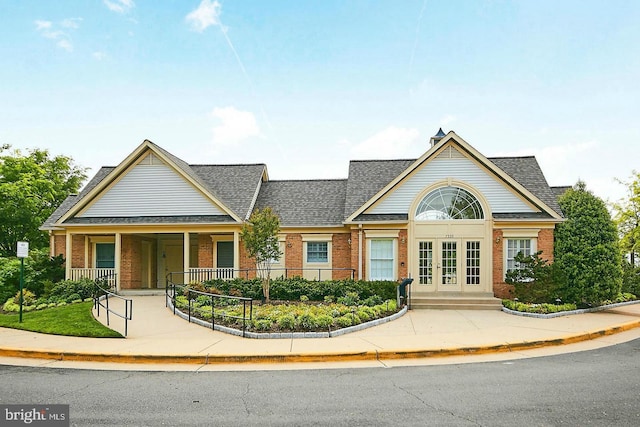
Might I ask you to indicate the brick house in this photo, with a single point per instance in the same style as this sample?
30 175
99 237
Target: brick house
453 220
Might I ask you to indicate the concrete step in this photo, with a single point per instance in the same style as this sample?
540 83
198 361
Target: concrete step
449 302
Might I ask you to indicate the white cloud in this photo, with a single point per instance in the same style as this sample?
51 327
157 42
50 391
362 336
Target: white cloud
235 125
206 15
119 6
65 44
447 120
71 23
42 25
63 40
99 56
392 142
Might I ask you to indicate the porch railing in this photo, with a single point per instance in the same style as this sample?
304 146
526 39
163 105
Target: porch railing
104 274
204 274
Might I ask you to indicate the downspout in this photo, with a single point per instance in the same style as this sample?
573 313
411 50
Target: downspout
359 251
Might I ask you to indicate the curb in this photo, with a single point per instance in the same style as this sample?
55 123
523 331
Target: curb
372 355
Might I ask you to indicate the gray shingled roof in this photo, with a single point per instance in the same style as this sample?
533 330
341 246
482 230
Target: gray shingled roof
305 203
234 185
560 190
526 171
367 177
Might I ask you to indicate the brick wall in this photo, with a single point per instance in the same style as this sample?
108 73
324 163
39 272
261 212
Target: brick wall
355 242
403 254
59 245
341 255
130 262
205 251
500 288
293 254
77 251
545 243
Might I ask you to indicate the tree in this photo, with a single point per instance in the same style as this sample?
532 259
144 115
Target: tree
32 186
586 249
627 218
534 281
260 238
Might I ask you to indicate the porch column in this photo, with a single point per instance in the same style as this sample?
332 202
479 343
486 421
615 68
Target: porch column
68 255
186 246
236 252
86 251
118 255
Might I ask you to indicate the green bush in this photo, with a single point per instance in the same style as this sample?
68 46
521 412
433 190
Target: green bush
324 321
293 288
68 290
345 321
538 308
286 322
307 321
534 281
28 297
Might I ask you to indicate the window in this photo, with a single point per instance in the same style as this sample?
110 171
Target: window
381 259
515 246
449 203
473 263
105 255
317 252
425 256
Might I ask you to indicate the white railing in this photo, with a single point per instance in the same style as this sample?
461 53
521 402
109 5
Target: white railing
204 274
94 273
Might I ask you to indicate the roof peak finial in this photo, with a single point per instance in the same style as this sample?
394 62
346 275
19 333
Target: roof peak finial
437 137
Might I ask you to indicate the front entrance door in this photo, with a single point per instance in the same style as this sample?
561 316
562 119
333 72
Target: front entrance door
172 260
449 265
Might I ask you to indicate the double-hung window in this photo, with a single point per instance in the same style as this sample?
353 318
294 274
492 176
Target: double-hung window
515 246
381 260
318 252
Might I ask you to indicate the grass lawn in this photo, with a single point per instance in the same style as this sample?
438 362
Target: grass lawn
72 320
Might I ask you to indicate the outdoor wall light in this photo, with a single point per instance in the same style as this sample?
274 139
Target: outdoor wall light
497 239
349 241
289 244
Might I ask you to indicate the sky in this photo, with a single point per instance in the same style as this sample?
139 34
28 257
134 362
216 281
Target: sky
306 86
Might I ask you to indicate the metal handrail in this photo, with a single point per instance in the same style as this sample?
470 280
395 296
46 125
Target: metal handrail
101 298
172 293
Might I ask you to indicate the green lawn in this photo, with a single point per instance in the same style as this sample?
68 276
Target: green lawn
72 320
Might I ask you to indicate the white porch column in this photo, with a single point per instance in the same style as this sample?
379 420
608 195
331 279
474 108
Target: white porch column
236 252
68 254
86 251
186 256
117 263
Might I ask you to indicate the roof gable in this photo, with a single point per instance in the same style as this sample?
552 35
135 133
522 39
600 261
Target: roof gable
459 150
120 183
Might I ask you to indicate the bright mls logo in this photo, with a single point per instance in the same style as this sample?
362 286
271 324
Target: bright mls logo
36 415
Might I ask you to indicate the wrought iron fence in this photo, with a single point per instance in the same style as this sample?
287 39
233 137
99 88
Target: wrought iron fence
174 290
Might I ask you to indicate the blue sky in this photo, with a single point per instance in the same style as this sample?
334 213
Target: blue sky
306 86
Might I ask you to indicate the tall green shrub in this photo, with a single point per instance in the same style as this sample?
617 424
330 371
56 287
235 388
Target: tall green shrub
586 249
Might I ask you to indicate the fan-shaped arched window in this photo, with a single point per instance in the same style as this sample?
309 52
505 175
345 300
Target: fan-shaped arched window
449 203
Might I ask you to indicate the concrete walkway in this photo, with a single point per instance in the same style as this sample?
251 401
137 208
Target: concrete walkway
158 340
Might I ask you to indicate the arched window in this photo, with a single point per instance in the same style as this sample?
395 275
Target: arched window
449 203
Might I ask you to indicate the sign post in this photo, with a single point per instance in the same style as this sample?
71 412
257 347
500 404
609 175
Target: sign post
23 252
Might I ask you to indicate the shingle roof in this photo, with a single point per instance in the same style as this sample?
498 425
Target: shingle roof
526 171
560 190
234 185
367 177
305 203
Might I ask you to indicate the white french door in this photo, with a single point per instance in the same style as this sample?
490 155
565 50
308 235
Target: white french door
449 264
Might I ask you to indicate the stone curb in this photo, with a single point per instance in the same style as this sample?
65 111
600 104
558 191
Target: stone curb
568 313
313 357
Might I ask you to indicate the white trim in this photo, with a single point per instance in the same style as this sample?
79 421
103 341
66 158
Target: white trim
380 234
520 233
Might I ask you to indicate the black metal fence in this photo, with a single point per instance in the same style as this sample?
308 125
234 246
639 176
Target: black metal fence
174 290
102 297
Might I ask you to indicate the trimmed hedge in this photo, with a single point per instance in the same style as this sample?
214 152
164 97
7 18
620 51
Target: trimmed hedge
293 289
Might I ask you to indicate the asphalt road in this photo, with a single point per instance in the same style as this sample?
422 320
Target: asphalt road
599 387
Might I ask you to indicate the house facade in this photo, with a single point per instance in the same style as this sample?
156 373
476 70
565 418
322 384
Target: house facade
453 220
